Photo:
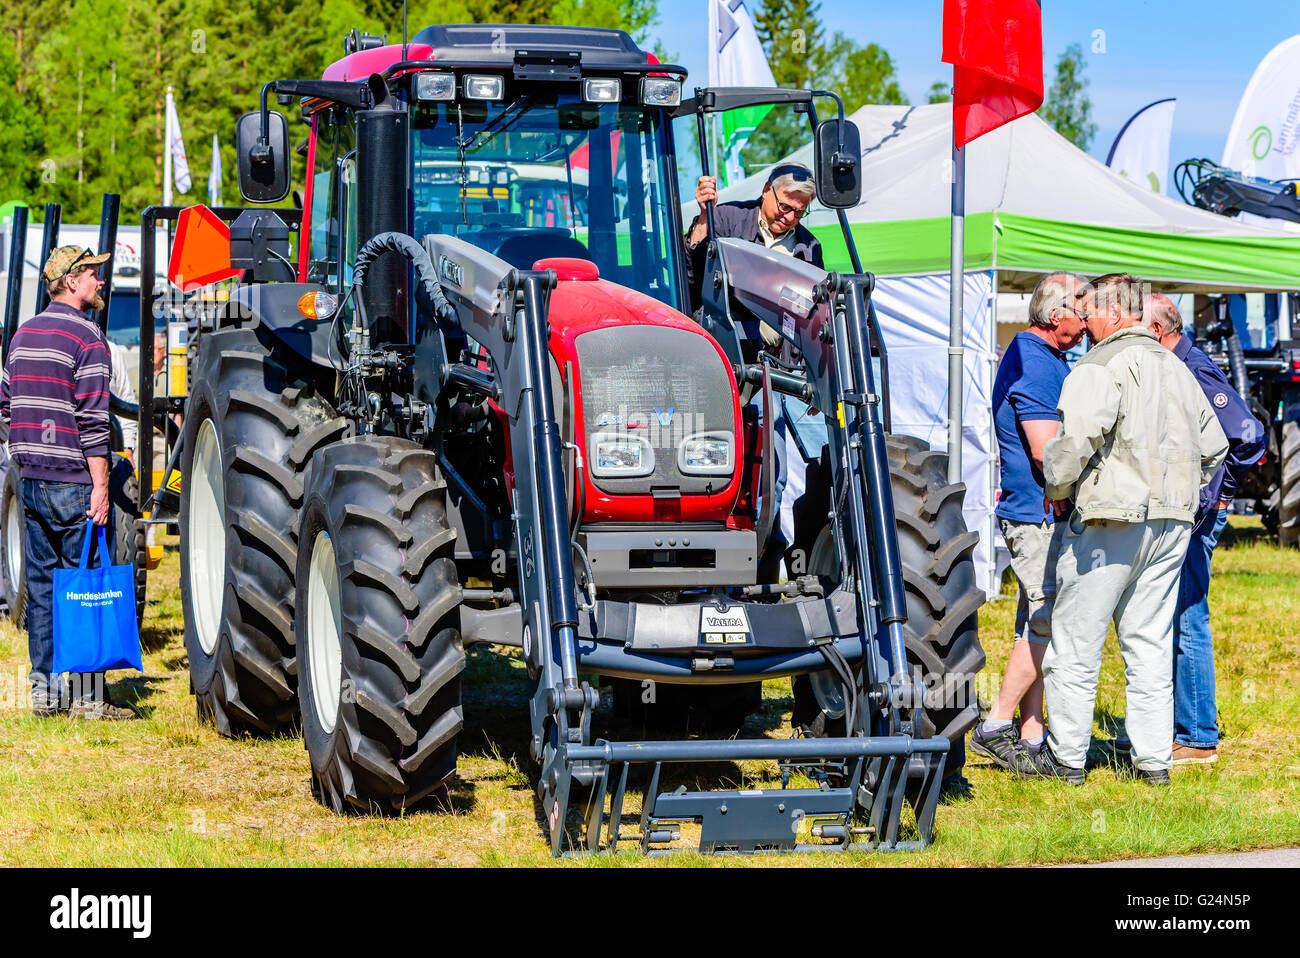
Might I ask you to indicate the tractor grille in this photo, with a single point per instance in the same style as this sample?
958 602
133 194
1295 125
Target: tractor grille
659 384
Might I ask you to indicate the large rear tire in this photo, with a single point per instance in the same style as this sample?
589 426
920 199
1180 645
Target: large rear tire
252 422
1288 525
128 531
378 626
13 546
941 635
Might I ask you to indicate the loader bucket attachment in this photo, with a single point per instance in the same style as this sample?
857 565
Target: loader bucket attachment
862 814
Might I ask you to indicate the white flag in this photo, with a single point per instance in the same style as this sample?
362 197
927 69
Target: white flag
1141 151
736 58
214 178
176 148
1265 137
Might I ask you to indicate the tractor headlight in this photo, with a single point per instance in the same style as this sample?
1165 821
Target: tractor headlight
602 90
619 456
658 91
435 86
706 454
485 87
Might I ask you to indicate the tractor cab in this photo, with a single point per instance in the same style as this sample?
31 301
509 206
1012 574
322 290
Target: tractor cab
526 142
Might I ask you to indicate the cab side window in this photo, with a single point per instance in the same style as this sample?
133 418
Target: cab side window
324 203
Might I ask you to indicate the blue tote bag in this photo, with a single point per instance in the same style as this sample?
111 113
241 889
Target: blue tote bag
94 614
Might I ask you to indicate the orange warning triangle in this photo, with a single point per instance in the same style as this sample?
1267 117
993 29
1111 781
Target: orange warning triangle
200 251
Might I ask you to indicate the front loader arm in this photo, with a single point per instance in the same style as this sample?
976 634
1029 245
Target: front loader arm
504 310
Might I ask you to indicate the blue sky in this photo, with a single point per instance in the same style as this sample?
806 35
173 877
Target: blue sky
1201 52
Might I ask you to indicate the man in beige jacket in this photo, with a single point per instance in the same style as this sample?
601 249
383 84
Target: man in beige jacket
1137 442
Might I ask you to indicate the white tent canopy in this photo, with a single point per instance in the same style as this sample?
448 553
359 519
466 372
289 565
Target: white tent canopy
1034 203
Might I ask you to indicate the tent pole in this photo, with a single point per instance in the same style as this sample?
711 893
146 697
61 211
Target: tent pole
956 278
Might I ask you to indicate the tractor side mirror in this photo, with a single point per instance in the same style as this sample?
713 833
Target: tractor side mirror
837 158
263 168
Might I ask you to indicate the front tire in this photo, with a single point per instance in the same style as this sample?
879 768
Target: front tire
252 422
13 546
1288 524
378 628
128 531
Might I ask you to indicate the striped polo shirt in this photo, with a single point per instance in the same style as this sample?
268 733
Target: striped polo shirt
54 395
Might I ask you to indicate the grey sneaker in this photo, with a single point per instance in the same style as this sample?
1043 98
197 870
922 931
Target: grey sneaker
46 703
1002 746
1043 764
1156 776
99 711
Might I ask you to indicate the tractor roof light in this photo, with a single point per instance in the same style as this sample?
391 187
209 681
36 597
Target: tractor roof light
602 90
660 91
435 86
485 87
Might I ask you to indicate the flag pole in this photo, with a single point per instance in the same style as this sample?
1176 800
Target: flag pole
956 281
167 150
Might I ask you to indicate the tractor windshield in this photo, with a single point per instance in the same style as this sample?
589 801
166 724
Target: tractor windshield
550 175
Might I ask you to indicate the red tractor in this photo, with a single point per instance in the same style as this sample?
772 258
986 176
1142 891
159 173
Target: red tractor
476 409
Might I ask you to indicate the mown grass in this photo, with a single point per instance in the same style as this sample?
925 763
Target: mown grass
166 791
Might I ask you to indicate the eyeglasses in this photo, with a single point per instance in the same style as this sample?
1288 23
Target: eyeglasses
1081 313
785 209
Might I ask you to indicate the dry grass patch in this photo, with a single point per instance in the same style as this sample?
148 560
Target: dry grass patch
168 791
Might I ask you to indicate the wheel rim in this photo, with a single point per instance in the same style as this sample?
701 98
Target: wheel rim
207 535
826 685
324 631
14 541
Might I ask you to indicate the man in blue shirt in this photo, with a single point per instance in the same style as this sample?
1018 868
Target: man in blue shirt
1196 718
1025 395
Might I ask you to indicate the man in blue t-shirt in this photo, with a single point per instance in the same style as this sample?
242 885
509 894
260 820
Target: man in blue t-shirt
1025 394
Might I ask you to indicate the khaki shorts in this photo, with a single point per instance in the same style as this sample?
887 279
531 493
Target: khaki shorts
1034 548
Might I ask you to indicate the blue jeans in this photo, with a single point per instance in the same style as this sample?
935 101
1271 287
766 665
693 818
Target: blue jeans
1196 717
56 528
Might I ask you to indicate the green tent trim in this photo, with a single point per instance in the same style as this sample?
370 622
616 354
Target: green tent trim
1022 248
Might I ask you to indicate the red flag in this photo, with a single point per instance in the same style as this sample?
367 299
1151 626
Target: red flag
996 49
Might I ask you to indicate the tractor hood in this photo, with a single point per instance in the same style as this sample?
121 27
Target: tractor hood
651 399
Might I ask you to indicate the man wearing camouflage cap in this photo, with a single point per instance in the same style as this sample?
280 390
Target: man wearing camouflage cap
54 401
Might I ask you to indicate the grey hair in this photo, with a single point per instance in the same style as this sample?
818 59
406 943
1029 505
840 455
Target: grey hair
1160 307
787 182
1118 288
1053 290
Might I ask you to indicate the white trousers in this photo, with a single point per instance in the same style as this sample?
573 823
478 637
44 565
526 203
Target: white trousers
1125 572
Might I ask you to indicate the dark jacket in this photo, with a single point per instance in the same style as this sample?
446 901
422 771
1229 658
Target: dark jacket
54 395
740 221
1246 437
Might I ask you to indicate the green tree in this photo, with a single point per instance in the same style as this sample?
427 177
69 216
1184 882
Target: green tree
801 56
82 110
21 145
940 92
1068 107
859 74
634 16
